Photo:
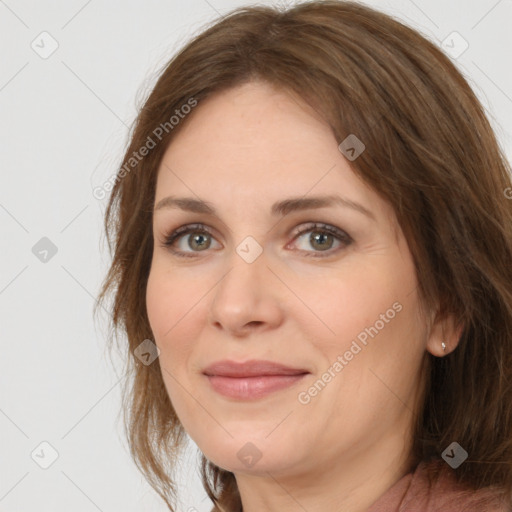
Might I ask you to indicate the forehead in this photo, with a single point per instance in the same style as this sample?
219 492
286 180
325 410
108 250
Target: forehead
242 120
251 133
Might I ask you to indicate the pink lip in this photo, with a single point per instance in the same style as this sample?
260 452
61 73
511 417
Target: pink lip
252 379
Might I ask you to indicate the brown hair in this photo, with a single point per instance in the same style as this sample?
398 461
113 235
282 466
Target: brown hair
430 152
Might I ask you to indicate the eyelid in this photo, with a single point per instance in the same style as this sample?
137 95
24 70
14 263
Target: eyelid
198 226
320 226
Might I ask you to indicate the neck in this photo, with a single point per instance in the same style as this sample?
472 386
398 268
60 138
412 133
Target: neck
350 484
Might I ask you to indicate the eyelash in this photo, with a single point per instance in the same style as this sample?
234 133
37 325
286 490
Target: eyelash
340 235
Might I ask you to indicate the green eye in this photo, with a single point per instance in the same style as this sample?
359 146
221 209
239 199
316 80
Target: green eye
196 238
321 238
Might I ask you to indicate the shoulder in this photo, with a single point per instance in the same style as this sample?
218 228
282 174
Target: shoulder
432 487
444 492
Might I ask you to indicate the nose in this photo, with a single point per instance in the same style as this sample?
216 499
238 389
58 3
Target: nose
246 299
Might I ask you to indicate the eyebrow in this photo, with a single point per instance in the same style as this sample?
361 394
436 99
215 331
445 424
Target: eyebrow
281 208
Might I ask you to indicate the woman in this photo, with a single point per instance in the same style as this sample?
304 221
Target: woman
312 267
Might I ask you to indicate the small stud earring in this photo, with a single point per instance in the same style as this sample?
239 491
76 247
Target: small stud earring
443 344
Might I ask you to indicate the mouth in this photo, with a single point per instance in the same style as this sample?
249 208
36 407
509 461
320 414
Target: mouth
253 379
254 387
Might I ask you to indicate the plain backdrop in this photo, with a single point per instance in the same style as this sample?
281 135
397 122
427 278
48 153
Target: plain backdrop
71 76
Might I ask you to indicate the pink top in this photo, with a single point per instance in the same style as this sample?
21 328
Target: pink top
416 493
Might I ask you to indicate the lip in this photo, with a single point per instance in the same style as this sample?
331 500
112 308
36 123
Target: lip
253 368
253 379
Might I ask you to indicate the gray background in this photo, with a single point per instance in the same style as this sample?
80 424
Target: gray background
64 121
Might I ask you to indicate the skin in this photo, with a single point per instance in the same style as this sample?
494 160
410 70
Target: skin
242 150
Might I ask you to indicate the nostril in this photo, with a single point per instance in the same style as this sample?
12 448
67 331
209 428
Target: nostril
254 323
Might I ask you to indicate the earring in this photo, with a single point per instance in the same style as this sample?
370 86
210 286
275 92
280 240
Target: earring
443 344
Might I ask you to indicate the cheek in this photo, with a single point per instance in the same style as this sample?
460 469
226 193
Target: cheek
172 312
380 314
172 308
373 313
349 302
375 305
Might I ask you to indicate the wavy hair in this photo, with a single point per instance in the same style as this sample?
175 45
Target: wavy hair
430 153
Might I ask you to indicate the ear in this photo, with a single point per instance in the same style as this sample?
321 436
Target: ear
444 329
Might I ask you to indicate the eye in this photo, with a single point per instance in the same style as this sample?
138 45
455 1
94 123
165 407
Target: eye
322 237
187 244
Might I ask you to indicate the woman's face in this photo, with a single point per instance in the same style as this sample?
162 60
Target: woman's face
338 301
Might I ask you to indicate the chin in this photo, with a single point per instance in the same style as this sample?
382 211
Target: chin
251 455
